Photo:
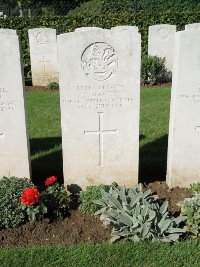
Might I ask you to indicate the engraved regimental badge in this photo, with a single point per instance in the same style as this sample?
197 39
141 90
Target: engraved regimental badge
99 61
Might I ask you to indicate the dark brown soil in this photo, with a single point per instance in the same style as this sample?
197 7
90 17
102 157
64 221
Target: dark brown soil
37 89
77 228
173 195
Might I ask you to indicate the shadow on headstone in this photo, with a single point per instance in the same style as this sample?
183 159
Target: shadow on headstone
153 161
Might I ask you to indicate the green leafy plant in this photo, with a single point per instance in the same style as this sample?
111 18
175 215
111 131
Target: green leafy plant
153 70
87 197
11 211
136 215
55 198
195 189
190 209
53 86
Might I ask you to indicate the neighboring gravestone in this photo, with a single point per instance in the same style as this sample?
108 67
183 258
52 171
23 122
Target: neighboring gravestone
7 31
100 95
161 42
125 28
14 144
194 26
43 54
184 132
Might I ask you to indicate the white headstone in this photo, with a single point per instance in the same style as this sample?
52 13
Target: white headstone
14 144
161 42
125 28
7 31
184 131
43 54
85 29
193 26
100 95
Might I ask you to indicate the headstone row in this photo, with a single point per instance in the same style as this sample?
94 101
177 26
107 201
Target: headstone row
43 49
100 100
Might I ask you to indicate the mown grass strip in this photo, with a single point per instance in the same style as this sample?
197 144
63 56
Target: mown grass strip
142 254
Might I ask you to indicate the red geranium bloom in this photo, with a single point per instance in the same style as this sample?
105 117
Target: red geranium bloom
30 196
51 180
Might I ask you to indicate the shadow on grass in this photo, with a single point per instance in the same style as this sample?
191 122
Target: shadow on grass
46 165
152 164
153 161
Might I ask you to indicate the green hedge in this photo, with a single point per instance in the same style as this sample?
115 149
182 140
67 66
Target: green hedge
69 23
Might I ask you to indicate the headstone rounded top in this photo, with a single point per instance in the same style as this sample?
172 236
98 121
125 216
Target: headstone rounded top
162 31
85 29
124 27
42 29
8 31
193 26
99 61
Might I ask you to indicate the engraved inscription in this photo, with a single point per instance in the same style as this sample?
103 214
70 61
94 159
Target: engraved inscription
1 135
197 128
6 105
99 97
100 132
42 38
163 33
99 61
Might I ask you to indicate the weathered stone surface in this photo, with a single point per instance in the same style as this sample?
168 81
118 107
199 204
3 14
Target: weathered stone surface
161 42
100 95
125 28
184 131
7 31
14 145
193 26
43 54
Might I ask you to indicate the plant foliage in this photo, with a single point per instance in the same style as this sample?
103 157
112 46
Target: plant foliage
153 70
87 197
190 208
53 86
136 215
11 211
70 22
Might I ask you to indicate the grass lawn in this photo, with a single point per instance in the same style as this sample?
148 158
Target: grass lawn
46 156
45 133
144 254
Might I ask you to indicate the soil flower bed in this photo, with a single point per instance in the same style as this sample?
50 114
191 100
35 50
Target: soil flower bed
76 227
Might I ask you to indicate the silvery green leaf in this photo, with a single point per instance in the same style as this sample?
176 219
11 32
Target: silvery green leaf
125 219
171 237
152 215
99 202
100 211
176 230
144 211
163 225
147 193
135 200
180 219
145 229
114 238
137 210
164 207
114 202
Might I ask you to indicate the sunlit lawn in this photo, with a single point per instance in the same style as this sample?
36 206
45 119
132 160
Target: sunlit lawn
45 133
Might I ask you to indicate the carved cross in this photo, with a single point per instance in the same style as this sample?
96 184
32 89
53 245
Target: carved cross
44 63
100 132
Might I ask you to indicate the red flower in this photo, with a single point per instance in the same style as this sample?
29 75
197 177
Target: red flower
30 196
51 180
